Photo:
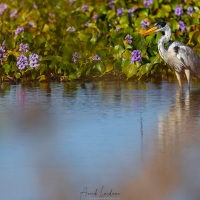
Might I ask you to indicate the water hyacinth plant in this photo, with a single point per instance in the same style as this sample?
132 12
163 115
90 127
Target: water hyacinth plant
178 10
136 56
34 60
67 40
75 56
85 8
111 4
129 38
22 62
96 58
182 26
3 7
144 24
190 10
147 3
23 47
120 11
19 30
2 53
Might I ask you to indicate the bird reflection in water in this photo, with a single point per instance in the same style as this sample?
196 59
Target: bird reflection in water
173 171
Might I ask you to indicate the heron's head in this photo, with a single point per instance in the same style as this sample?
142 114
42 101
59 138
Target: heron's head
158 27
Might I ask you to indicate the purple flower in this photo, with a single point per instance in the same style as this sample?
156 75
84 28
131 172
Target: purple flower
85 8
182 26
71 29
87 24
120 11
13 13
22 62
23 47
95 16
71 1
35 6
144 23
117 29
75 55
131 11
31 25
34 60
178 10
136 56
3 7
190 10
74 60
147 3
2 51
19 30
129 38
52 15
111 4
96 57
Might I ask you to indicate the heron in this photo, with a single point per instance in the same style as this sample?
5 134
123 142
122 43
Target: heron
180 57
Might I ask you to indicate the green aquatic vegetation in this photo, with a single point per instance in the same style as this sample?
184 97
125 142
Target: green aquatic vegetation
72 39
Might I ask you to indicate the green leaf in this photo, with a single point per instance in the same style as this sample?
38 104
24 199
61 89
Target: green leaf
118 50
72 76
144 69
155 59
143 12
39 39
10 43
126 62
166 8
110 14
58 58
84 37
43 69
149 38
174 25
93 39
124 20
130 70
7 68
101 53
48 57
109 66
126 54
100 67
122 26
33 75
45 28
42 78
18 75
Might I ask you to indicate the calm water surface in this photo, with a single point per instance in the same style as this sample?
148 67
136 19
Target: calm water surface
99 140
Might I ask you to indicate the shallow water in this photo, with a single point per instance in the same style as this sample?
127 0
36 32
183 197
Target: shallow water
99 140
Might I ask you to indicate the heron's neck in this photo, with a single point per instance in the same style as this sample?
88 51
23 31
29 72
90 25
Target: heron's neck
164 39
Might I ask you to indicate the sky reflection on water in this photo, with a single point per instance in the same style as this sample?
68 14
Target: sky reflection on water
130 137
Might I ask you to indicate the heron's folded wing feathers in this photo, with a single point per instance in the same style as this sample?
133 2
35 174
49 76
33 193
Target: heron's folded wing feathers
189 58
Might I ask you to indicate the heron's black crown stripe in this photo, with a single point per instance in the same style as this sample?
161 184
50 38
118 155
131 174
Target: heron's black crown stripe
162 24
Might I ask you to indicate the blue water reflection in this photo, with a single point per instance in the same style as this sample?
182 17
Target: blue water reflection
57 139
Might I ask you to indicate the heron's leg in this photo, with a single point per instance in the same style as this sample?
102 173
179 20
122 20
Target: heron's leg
187 73
179 79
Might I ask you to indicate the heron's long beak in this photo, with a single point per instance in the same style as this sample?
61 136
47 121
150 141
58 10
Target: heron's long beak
151 30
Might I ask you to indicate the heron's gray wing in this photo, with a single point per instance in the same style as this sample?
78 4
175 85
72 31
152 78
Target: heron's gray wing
189 58
172 59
